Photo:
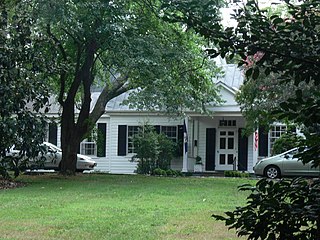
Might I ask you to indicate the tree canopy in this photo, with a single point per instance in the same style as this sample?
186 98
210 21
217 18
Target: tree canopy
23 90
118 46
280 54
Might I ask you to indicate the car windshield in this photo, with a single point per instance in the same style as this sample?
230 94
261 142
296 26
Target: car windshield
53 147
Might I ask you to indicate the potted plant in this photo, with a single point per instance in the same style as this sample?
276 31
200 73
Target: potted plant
198 164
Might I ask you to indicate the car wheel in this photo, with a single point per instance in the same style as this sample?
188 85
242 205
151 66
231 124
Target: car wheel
272 172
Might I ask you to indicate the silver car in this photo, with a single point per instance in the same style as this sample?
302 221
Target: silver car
51 159
284 164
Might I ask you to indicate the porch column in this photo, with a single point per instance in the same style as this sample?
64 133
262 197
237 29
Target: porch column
185 145
255 154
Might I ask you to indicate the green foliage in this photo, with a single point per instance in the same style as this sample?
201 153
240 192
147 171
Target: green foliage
23 88
168 172
198 160
286 142
236 174
153 150
285 209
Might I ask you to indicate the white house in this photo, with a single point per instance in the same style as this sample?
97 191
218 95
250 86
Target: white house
217 139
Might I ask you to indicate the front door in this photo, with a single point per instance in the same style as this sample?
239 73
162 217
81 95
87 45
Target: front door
226 149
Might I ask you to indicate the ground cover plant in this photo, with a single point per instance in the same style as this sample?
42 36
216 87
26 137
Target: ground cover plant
118 207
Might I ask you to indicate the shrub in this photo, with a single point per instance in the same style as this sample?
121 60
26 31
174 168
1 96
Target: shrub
286 142
157 171
236 174
170 172
153 150
285 209
163 172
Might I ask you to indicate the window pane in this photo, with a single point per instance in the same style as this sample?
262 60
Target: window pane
170 132
88 148
132 130
230 143
230 159
222 143
231 133
222 159
223 133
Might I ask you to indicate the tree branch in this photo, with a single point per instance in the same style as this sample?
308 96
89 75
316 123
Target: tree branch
63 73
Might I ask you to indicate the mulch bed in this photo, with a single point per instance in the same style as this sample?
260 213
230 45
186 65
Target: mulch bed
9 184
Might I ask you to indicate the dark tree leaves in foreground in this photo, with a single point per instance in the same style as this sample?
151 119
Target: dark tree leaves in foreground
284 209
23 91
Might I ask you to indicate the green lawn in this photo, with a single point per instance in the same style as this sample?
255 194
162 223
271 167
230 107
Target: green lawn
118 207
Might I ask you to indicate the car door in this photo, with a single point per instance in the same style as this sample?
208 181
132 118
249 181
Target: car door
314 171
293 167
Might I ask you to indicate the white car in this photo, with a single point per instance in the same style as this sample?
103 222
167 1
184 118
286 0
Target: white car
52 156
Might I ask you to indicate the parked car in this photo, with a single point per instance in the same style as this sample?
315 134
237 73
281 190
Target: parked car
51 158
285 164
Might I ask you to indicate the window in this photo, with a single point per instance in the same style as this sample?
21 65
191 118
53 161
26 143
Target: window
132 130
88 148
227 123
275 132
170 132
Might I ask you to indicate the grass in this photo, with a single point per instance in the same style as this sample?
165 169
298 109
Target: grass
118 207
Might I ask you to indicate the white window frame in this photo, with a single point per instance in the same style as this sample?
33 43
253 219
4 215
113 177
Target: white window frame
170 131
275 132
131 131
87 149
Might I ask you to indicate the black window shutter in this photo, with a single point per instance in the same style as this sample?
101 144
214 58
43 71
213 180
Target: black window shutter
180 140
122 140
242 151
102 140
263 142
53 133
210 149
157 128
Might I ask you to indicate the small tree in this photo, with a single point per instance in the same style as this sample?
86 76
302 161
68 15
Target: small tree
153 150
167 150
286 142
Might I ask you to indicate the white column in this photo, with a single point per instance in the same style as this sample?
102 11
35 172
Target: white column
185 145
255 154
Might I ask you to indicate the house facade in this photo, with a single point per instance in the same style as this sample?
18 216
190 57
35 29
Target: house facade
218 139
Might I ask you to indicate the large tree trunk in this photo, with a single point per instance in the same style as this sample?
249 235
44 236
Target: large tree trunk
70 142
72 132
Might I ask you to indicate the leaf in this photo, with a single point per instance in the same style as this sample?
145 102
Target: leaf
255 73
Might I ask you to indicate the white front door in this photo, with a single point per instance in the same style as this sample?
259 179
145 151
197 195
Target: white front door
226 149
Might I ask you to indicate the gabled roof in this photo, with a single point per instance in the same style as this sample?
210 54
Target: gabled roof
232 77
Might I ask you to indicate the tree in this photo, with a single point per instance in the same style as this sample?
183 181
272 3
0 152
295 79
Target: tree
286 142
119 45
23 91
286 50
153 150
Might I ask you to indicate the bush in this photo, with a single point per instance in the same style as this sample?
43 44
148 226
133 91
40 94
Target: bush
168 172
153 150
285 209
286 142
236 174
